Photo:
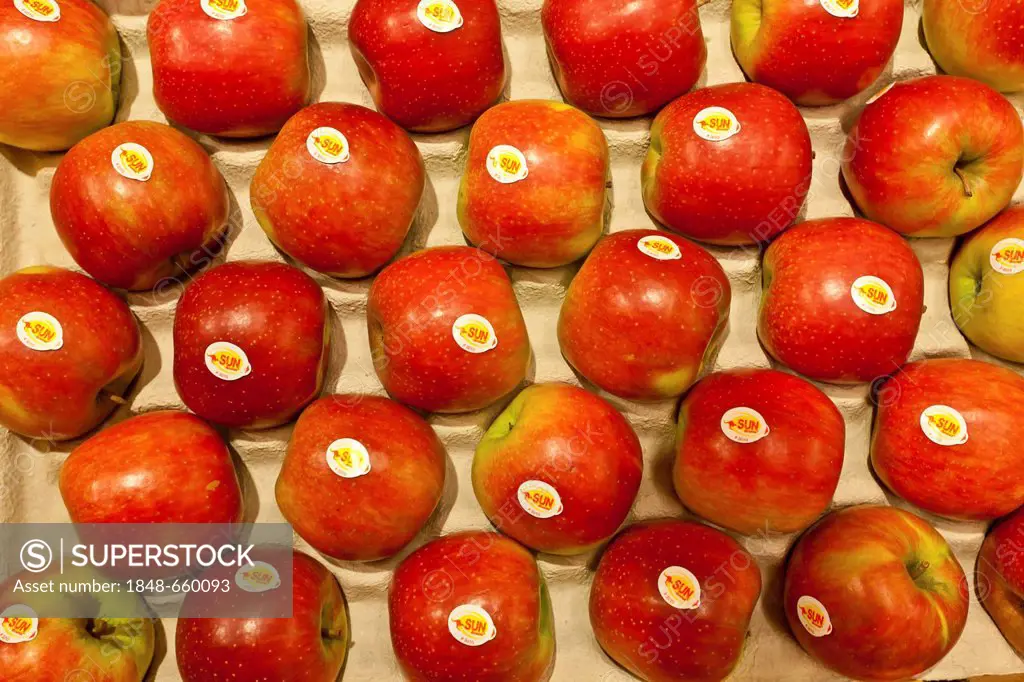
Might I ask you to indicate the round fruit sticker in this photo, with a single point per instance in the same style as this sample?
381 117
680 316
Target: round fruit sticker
506 164
18 623
440 16
474 333
744 425
679 588
348 458
539 499
328 145
813 616
227 361
873 295
260 577
844 9
224 10
659 248
471 625
40 331
133 161
715 124
39 10
1007 257
944 425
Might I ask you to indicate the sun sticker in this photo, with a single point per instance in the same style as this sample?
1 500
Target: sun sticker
659 247
539 499
132 161
260 577
474 333
224 10
679 588
227 361
715 124
328 145
873 295
471 625
813 615
40 331
18 624
1007 256
744 425
39 10
944 425
348 458
440 16
844 9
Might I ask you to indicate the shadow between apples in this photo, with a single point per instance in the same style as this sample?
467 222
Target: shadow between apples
317 66
159 650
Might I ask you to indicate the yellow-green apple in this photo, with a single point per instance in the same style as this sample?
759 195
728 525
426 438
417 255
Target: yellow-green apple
729 164
672 600
842 300
986 286
999 577
623 58
815 52
946 437
431 66
645 314
979 40
138 203
350 458
69 349
533 190
929 171
211 70
308 647
61 75
471 606
875 593
250 343
446 331
338 189
558 470
758 451
158 467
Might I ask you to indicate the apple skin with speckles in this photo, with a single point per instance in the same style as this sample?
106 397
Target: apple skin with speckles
61 79
642 328
655 640
308 647
369 516
935 156
623 58
135 234
977 41
413 307
344 219
64 393
779 483
158 467
423 80
808 318
896 596
999 578
975 480
810 55
988 304
277 315
573 441
215 76
744 189
489 572
555 214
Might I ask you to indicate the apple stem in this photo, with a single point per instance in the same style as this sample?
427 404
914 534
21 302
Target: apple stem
114 398
918 569
333 633
963 179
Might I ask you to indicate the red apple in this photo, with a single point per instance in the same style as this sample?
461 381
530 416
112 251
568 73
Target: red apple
471 606
980 40
158 467
69 349
946 438
815 51
308 647
446 332
361 477
250 343
61 75
842 300
234 68
622 58
644 315
672 600
1000 578
431 66
338 189
758 451
533 191
558 470
729 164
935 171
875 593
138 203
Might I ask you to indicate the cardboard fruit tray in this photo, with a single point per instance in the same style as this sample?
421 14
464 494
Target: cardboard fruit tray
28 470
